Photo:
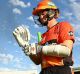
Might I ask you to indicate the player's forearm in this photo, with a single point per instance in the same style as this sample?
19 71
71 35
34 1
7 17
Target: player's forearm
36 59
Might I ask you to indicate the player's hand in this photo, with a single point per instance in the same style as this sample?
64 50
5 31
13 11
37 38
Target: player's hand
22 35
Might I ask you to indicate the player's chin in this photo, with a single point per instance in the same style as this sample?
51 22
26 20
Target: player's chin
44 21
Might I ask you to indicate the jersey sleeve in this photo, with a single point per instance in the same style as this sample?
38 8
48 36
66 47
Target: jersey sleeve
66 32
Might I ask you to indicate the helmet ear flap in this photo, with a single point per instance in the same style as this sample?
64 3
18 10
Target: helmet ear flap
56 13
53 13
50 14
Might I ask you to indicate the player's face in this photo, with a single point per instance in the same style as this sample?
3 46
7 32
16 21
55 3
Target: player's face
43 17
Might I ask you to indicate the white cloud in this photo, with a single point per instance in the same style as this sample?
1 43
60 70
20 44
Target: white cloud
4 69
72 10
36 26
19 3
72 0
15 44
9 42
32 66
63 2
6 58
18 63
8 69
16 11
25 25
28 4
75 6
77 27
67 14
34 37
77 39
30 18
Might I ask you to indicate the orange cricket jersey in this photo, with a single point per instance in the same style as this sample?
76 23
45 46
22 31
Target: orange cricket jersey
59 32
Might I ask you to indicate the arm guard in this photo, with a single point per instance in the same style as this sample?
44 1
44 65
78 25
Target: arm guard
56 50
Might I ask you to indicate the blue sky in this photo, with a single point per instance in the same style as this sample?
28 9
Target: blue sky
14 13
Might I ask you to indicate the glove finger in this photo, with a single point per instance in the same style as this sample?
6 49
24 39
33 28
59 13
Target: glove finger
17 31
27 33
23 33
21 30
16 37
26 29
14 33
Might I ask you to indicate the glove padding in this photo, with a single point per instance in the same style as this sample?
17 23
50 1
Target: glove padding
32 49
22 35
